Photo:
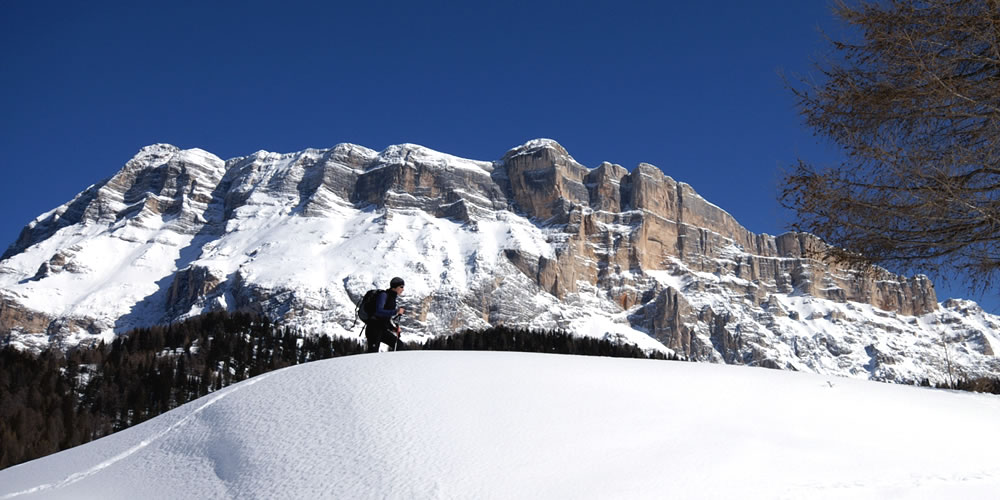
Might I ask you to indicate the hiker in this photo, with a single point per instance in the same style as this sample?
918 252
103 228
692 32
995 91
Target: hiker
380 329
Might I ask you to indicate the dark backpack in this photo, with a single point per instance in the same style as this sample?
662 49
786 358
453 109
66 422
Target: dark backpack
366 306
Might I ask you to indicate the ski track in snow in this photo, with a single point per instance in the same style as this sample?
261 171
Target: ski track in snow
929 486
143 444
428 425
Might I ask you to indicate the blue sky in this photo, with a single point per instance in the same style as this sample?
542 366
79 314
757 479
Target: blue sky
691 87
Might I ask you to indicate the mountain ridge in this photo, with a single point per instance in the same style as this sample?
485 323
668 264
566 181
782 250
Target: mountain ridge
533 239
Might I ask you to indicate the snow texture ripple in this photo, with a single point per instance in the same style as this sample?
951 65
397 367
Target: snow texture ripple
429 425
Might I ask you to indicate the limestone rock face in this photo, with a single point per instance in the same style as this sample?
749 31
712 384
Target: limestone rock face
15 317
544 179
645 220
534 239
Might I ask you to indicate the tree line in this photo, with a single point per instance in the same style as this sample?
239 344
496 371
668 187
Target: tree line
54 400
502 338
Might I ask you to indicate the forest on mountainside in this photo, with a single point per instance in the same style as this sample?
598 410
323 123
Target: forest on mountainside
55 400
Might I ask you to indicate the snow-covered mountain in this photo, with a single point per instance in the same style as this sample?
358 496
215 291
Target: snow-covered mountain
513 425
534 240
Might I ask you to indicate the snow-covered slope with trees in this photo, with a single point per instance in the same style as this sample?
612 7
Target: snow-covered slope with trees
532 240
514 425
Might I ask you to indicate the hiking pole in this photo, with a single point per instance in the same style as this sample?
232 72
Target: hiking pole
395 320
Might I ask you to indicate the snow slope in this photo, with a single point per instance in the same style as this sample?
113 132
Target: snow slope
515 425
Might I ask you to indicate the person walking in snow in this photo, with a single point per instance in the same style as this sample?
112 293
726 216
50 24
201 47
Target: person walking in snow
381 329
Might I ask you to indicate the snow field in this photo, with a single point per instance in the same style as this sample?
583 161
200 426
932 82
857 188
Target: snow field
517 425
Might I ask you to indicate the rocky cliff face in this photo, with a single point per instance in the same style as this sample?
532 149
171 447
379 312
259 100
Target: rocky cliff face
534 239
616 220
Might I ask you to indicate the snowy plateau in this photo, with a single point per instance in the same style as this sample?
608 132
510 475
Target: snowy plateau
423 424
532 240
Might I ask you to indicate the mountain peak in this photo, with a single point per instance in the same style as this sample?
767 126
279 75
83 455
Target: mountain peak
535 145
407 153
534 240
152 154
160 153
158 148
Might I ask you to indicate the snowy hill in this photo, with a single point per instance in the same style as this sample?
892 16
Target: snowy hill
532 240
512 425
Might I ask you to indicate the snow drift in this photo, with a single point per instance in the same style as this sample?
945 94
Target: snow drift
515 425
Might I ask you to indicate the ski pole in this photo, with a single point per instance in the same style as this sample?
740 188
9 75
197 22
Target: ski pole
396 319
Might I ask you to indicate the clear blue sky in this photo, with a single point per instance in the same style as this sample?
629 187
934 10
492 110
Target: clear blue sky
691 87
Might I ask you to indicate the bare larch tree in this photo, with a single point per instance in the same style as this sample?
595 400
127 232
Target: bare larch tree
913 101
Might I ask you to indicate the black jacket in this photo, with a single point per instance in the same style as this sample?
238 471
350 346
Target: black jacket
385 306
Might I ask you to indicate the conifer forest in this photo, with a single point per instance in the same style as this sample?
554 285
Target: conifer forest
54 400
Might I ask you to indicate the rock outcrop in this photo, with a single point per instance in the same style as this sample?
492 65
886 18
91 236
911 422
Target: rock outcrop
533 239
